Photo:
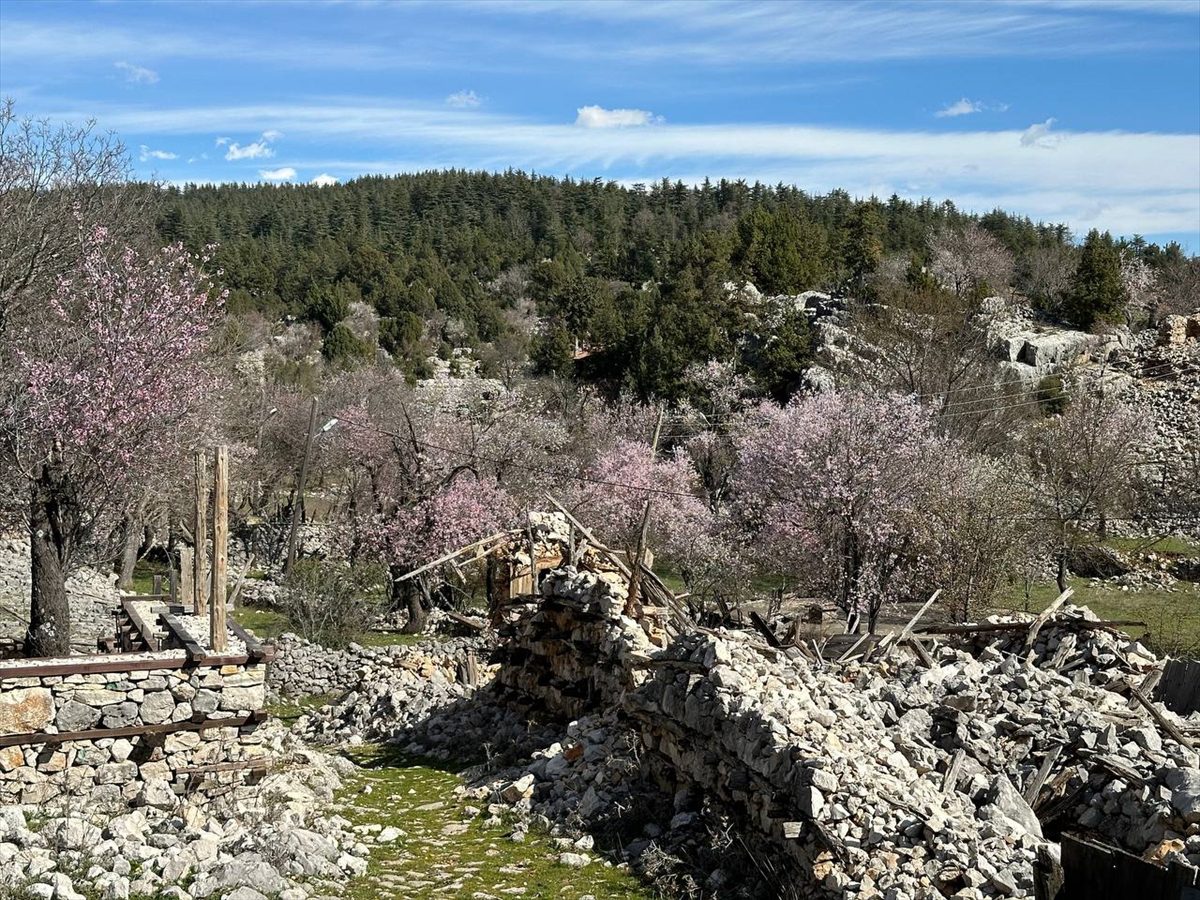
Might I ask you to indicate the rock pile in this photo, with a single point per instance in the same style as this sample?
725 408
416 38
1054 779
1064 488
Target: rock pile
277 843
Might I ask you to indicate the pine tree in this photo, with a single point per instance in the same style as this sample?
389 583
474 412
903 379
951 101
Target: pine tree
1097 292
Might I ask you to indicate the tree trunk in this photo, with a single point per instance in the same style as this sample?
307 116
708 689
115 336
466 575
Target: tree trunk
129 553
1062 570
49 631
409 595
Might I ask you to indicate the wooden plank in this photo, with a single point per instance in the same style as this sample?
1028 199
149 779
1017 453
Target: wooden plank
194 651
765 630
261 762
499 535
908 627
921 652
146 628
187 592
254 647
218 635
951 777
199 534
1035 785
1166 724
116 663
198 722
1045 616
845 656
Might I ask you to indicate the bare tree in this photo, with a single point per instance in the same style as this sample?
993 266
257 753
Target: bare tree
1044 274
1085 464
53 181
969 261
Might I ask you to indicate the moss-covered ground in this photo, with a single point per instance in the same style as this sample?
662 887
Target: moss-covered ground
443 852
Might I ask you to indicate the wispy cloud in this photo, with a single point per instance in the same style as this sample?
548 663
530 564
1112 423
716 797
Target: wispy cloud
145 154
221 141
464 100
599 117
324 180
1149 182
285 173
1038 135
260 149
963 107
137 74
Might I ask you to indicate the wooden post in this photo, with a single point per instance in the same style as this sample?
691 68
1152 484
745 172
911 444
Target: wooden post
200 536
216 622
186 574
299 499
636 565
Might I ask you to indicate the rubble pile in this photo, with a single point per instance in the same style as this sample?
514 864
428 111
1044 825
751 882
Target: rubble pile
854 771
1106 657
278 842
304 668
396 689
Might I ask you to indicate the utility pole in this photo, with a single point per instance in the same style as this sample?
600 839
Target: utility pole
217 631
200 535
299 498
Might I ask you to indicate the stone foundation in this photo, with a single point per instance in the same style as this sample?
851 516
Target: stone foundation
139 729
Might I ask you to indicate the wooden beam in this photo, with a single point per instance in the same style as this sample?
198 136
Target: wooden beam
199 535
217 631
1044 617
988 627
254 647
187 593
1035 786
1166 724
198 722
453 555
116 663
182 635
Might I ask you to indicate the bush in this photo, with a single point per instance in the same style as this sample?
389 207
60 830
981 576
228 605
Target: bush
1051 395
331 603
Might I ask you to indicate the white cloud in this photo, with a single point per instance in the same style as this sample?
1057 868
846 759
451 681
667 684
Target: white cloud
137 74
324 180
260 149
1038 135
599 117
271 135
464 100
963 107
1149 181
145 154
286 173
221 141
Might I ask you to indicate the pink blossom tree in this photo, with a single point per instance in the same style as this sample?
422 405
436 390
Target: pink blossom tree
830 489
436 466
99 387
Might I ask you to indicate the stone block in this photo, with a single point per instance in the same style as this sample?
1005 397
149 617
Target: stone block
25 710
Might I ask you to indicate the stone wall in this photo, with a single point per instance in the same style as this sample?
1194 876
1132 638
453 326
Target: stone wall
151 721
574 650
93 597
302 668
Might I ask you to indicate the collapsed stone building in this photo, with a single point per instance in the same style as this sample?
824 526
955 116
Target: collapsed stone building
919 766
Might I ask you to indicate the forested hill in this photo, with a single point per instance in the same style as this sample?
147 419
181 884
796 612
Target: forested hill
452 257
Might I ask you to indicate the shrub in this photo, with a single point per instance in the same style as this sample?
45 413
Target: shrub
330 603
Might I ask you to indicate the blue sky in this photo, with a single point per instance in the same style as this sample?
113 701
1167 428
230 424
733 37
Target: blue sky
1080 111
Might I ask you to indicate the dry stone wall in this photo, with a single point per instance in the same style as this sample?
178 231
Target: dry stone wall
154 707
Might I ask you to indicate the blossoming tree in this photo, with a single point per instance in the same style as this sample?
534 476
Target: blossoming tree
831 489
99 389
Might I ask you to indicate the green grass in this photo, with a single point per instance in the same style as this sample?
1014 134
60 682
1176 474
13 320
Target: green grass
418 797
270 623
288 711
1168 545
1172 617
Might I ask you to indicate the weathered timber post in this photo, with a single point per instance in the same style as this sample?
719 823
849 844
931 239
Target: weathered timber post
299 499
200 536
216 620
186 574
